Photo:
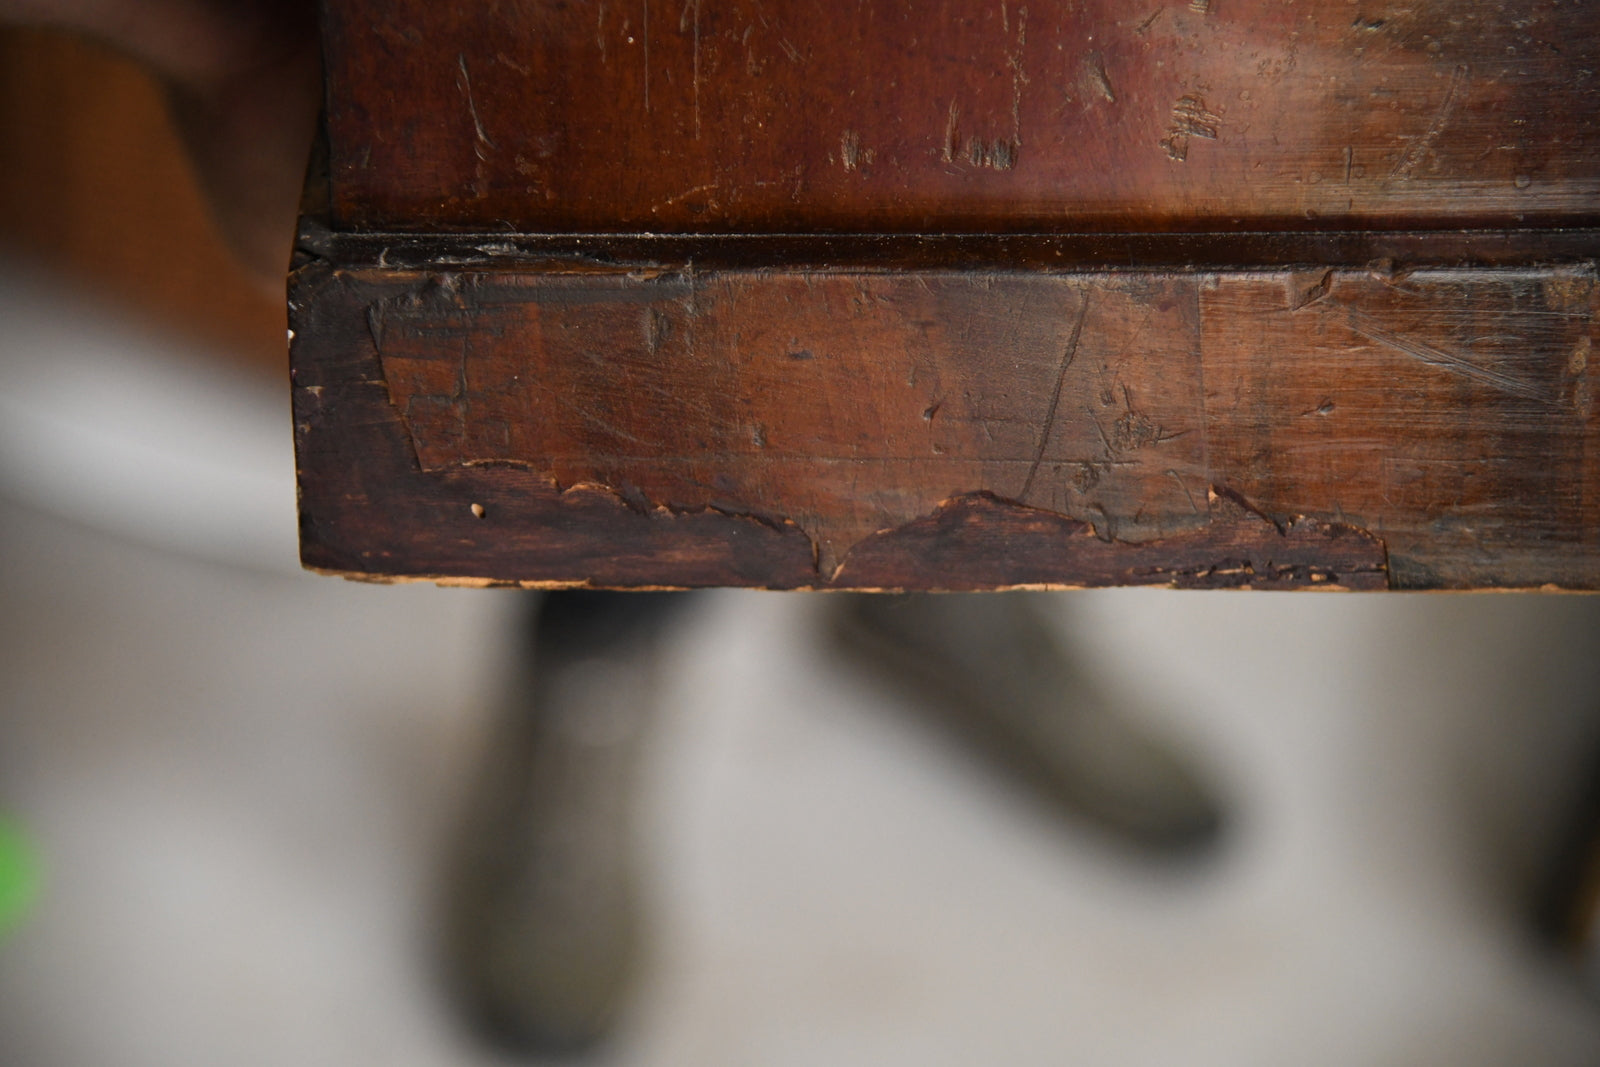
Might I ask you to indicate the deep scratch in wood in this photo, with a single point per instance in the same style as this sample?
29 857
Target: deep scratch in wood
472 107
1019 78
693 7
1067 356
1413 156
1367 327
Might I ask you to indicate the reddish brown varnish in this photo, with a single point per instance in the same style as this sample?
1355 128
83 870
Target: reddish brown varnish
1363 362
719 116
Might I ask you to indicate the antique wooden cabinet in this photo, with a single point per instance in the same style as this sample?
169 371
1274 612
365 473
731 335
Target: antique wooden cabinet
908 294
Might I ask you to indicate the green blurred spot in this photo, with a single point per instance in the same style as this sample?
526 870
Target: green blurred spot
19 875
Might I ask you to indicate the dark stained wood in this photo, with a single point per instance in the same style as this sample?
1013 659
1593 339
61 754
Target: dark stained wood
954 294
1462 399
761 116
367 510
981 542
1571 246
1433 429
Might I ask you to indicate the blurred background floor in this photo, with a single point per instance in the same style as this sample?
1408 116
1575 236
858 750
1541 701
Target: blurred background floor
241 778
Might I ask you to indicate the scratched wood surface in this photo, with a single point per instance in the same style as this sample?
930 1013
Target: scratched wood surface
1358 428
913 294
712 116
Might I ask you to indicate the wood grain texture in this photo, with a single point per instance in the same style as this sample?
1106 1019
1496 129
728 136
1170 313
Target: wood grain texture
946 116
954 294
837 426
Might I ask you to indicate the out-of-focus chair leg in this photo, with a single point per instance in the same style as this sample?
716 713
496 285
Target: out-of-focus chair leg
991 668
543 918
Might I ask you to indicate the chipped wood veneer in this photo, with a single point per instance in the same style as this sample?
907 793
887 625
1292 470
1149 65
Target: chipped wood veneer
954 294
817 428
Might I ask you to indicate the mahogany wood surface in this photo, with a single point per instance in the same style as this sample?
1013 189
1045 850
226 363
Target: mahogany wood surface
713 116
1248 293
1442 419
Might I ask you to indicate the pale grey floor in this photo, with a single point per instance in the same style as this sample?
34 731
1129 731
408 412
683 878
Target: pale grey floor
241 777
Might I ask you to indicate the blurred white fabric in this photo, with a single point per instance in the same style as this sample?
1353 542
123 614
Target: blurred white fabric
241 777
